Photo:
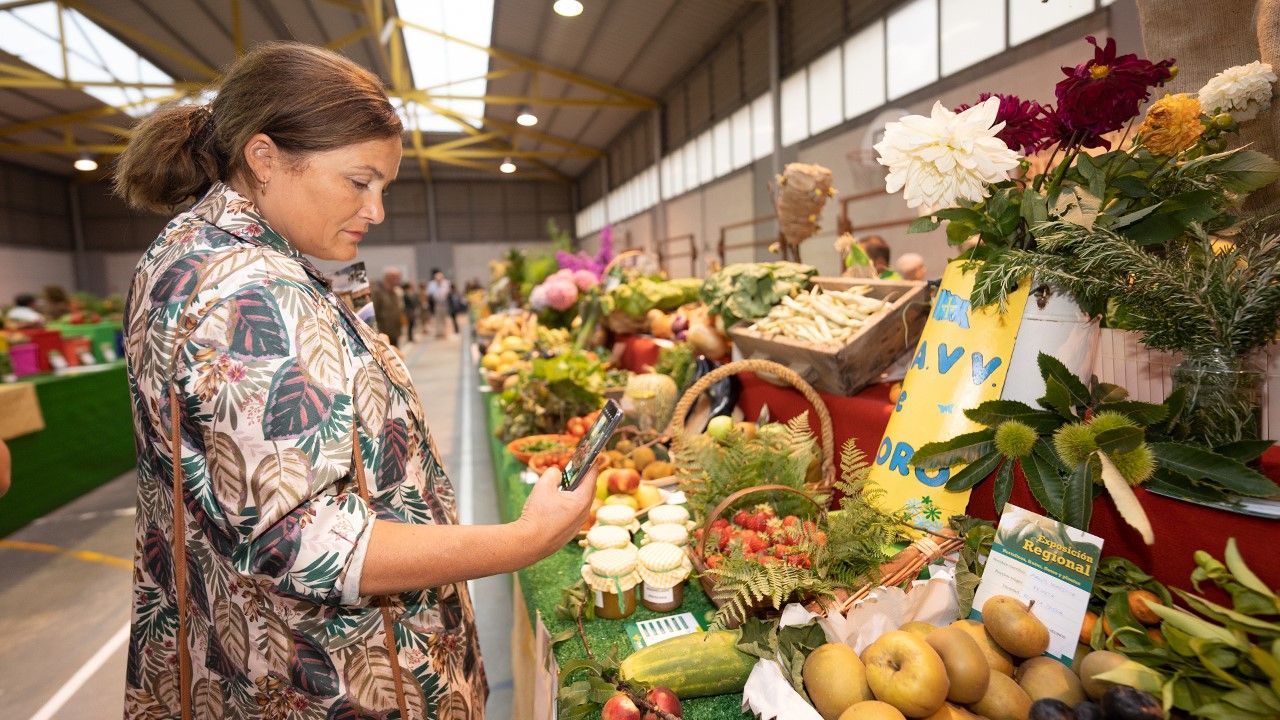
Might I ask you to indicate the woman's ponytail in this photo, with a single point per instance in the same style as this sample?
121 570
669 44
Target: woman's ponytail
171 159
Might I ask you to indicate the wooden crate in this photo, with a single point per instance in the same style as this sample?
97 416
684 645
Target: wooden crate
866 355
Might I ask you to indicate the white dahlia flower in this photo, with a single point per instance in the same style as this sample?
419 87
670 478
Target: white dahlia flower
945 157
1243 91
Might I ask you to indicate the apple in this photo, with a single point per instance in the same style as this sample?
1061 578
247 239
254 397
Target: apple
665 700
620 707
906 672
747 428
623 481
602 484
596 504
627 500
648 496
720 426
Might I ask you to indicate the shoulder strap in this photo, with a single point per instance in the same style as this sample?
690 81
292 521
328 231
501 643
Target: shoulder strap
384 604
179 539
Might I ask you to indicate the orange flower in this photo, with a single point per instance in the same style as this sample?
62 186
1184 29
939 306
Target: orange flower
1172 125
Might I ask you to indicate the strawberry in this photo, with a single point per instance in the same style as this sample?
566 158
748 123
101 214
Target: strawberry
820 538
723 542
790 520
741 518
720 524
714 561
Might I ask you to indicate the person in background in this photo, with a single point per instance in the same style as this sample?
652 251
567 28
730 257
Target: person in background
911 266
387 305
878 250
23 314
438 290
56 302
410 308
472 285
457 306
6 468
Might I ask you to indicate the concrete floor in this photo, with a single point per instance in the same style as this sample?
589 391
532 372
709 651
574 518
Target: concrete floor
64 579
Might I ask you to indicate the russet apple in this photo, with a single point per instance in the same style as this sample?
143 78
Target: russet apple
904 671
872 710
1013 626
623 481
967 667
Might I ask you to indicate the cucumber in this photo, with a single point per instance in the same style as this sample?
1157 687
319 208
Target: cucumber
694 665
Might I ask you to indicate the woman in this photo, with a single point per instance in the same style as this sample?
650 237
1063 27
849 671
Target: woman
317 569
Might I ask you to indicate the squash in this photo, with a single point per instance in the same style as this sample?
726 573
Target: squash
695 665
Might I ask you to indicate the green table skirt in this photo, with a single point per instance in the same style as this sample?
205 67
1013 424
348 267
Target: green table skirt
87 441
98 334
542 582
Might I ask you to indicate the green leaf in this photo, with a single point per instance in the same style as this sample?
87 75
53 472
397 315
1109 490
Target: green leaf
1132 217
1058 399
1119 440
1035 208
1132 186
959 449
1108 393
923 225
1246 171
1052 367
1043 478
974 473
1230 617
1142 413
758 639
1200 464
1245 451
958 232
993 412
1175 215
1077 500
1134 675
968 216
1004 486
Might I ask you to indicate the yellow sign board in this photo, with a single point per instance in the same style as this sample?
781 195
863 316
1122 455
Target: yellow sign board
961 362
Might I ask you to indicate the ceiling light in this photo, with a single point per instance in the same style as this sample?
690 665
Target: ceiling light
507 166
85 163
568 8
525 116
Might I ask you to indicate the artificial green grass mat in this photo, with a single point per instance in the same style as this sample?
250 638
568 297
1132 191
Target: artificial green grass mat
542 582
87 441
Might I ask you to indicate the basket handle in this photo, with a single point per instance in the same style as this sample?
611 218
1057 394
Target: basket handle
757 365
737 495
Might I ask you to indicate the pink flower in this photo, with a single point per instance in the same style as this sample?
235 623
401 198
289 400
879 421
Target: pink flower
253 229
236 372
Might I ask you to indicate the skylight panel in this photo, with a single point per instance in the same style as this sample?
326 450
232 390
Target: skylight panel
447 67
93 54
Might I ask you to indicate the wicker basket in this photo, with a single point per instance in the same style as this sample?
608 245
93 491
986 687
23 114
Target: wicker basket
902 567
826 435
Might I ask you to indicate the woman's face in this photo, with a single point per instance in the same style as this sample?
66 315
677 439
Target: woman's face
325 202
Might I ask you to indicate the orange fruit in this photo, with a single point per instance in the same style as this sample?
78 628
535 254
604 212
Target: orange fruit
1086 628
1140 609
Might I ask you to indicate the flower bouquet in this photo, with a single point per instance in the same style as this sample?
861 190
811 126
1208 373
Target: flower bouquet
1138 217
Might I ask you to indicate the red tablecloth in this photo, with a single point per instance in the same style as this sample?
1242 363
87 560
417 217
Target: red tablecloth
1180 528
639 352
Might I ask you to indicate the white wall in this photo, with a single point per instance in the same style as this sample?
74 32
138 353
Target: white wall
471 260
28 270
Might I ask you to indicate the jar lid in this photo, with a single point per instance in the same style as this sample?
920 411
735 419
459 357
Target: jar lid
673 534
619 515
612 570
603 537
668 515
663 565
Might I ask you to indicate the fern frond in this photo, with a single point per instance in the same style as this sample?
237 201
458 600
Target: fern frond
854 468
743 584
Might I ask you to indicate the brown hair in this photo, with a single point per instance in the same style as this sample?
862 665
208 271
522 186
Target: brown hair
875 247
305 98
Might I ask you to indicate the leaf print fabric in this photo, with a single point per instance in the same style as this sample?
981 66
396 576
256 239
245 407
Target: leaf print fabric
276 379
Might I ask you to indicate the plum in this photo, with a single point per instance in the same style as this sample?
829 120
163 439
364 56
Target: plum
1050 709
1125 703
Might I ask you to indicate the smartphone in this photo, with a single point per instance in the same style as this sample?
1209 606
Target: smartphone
591 445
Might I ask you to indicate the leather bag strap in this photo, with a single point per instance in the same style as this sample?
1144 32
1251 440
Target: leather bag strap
384 602
179 552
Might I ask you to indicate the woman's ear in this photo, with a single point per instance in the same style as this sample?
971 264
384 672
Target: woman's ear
262 158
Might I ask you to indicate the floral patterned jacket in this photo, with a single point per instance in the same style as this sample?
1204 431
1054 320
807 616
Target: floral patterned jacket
275 376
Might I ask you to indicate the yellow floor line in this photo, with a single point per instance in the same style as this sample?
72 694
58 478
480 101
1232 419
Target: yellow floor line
85 555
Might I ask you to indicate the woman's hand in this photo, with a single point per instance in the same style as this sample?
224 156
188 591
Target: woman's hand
551 516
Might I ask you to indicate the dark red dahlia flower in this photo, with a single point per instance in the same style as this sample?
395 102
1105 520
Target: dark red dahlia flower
1103 94
1025 128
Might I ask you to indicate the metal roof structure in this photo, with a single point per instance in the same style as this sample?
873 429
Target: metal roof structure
586 78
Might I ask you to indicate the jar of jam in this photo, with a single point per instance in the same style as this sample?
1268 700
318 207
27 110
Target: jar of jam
611 575
663 567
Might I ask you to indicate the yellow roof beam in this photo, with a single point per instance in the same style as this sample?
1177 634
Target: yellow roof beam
530 100
82 115
72 148
514 153
124 30
184 88
634 99
507 127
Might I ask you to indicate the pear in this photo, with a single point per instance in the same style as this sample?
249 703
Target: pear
1044 677
967 667
904 671
1096 663
919 627
999 660
835 678
1013 627
952 712
1004 700
872 710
